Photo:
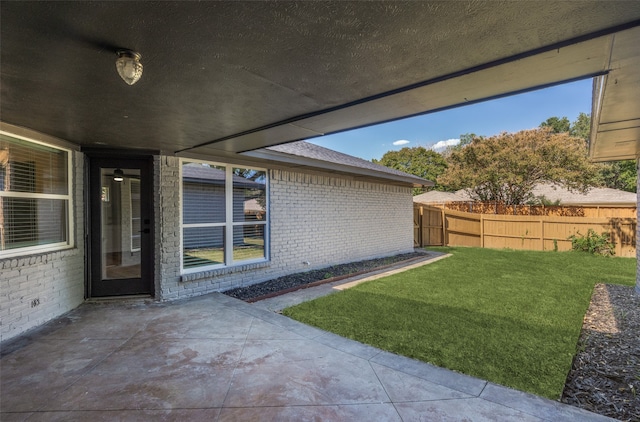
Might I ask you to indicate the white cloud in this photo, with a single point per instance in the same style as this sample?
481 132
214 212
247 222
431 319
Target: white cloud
441 145
401 142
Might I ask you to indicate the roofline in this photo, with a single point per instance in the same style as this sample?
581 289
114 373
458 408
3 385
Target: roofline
304 162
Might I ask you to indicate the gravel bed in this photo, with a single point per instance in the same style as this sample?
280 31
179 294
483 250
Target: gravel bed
605 376
308 277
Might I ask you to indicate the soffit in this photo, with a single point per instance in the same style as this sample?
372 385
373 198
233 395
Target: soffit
616 109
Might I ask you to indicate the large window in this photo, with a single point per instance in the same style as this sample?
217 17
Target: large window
224 215
35 196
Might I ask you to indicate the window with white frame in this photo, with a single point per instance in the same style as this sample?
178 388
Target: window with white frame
35 196
224 215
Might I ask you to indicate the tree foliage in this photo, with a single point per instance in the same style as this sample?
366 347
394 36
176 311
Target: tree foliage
557 125
506 167
418 161
622 175
581 127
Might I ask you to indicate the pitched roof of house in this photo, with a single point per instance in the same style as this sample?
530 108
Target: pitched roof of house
305 154
437 197
595 196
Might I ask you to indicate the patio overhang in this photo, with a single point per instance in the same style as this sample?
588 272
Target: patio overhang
227 77
615 123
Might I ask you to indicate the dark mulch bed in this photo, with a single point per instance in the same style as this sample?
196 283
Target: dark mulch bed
605 377
292 281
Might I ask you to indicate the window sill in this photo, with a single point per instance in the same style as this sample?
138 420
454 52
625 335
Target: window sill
223 271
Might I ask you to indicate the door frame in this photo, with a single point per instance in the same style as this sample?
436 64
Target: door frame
97 159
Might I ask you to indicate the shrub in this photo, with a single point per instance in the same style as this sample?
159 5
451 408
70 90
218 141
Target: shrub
594 243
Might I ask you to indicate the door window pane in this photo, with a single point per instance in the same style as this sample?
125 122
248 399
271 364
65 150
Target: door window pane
119 212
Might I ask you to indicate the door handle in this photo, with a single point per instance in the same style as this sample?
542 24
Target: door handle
147 231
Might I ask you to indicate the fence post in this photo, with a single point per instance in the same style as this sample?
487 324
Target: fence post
541 234
444 228
420 222
482 230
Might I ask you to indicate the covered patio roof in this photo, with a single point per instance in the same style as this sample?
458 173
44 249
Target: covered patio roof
221 78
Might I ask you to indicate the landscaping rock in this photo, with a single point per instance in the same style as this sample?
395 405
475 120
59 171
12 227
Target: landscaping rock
286 283
605 376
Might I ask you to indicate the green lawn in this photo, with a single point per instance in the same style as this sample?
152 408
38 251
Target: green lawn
510 317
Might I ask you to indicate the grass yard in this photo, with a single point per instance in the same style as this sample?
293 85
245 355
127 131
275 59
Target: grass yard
510 317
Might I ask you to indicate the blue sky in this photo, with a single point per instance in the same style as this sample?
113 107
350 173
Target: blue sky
510 114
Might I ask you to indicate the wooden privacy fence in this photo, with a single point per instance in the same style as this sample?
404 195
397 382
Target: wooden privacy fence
595 210
440 227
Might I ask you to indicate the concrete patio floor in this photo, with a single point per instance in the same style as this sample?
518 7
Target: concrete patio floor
215 358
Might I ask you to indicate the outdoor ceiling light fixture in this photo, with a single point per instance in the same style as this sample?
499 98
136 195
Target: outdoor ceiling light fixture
128 66
118 175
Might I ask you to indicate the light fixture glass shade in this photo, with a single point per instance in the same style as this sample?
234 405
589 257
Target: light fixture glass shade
118 175
128 66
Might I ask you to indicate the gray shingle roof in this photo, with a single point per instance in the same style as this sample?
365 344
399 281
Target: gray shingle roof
600 196
593 196
318 153
437 197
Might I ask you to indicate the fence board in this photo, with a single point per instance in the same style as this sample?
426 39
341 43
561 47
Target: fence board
593 210
457 228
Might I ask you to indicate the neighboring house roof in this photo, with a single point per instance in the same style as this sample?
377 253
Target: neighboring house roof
437 197
595 196
253 205
305 154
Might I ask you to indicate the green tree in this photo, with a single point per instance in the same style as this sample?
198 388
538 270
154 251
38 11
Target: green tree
465 139
506 167
621 175
557 125
418 161
581 127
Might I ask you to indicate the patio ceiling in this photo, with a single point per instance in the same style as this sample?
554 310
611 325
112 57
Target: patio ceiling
227 77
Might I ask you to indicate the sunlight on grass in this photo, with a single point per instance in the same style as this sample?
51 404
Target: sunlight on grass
510 317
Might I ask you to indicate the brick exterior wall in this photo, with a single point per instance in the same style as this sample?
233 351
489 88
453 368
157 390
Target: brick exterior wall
37 288
315 221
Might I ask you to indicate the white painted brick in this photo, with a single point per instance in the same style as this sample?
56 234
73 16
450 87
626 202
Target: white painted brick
322 219
41 276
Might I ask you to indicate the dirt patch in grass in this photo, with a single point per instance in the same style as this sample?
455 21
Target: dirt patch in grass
605 376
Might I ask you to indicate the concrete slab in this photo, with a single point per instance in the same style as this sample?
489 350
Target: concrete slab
216 358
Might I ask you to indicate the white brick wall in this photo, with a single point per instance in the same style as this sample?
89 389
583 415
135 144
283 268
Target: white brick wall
320 219
54 280
323 220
